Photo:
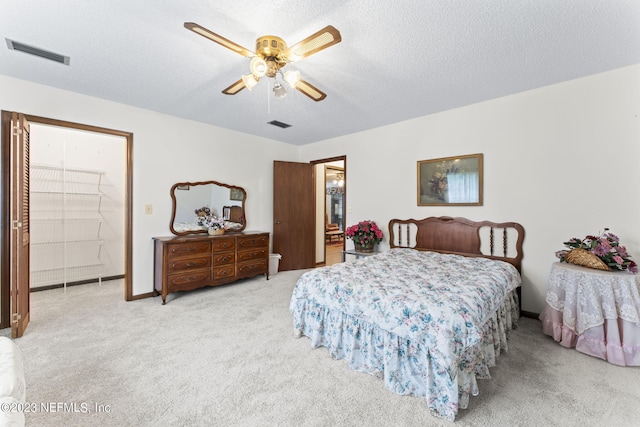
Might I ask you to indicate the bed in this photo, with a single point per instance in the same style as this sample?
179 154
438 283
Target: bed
430 316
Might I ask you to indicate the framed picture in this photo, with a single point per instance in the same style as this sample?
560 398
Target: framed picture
182 187
236 194
450 181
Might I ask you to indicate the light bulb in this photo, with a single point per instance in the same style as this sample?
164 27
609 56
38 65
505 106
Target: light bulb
279 91
249 81
258 66
292 77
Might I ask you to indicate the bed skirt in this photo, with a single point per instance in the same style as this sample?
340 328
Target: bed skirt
406 366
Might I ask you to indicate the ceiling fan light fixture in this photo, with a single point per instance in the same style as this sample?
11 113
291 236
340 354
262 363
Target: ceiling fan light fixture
292 77
271 56
258 66
279 91
249 81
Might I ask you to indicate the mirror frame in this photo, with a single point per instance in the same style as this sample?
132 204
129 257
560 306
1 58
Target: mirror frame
174 206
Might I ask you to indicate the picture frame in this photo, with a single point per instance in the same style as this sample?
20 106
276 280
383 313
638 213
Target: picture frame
183 187
451 181
236 194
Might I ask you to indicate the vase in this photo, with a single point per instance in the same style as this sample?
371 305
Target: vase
215 231
360 248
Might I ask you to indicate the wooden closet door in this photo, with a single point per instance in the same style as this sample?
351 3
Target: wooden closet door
19 241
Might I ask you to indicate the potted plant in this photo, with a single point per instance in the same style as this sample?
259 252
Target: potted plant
365 235
214 225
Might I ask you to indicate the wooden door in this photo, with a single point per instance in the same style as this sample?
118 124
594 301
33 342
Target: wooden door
294 215
19 240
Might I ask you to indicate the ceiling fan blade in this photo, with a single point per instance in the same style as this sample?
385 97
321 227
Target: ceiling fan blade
328 36
218 39
310 90
234 88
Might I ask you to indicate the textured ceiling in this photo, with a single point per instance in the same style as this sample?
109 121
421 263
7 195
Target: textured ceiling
397 60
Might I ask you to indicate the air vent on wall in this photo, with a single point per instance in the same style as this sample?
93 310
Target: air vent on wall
279 124
21 47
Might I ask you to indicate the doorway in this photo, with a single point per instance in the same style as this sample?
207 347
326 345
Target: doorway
334 202
7 169
76 207
330 199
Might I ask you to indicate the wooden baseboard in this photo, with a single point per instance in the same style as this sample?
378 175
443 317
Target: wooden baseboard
530 314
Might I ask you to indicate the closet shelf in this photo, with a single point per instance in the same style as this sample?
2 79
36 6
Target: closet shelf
67 221
68 193
70 242
65 169
63 220
63 275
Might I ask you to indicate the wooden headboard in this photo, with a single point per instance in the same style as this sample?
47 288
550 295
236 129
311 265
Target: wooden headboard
460 236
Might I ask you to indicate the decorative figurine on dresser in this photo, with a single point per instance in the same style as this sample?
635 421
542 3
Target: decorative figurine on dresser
209 247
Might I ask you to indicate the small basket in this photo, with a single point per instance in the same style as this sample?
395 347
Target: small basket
586 259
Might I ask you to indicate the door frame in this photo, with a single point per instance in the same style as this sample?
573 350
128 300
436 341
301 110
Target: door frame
314 163
6 219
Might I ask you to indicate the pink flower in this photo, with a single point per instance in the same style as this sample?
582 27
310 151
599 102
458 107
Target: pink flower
365 232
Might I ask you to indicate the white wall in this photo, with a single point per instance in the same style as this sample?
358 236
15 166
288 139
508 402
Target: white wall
561 160
166 150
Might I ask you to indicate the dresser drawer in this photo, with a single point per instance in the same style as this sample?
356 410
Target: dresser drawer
252 254
224 244
224 272
188 281
252 268
189 248
180 264
224 258
252 242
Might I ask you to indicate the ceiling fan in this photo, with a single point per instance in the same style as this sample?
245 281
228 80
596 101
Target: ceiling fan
271 56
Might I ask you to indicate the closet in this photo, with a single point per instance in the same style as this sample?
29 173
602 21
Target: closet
75 206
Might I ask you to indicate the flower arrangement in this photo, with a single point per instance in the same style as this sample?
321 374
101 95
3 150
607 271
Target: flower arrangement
606 247
365 234
202 214
213 222
206 218
438 181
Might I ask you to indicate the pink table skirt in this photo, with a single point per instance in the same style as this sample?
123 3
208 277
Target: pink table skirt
616 341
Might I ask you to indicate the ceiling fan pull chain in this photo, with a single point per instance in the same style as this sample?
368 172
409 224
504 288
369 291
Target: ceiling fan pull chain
268 97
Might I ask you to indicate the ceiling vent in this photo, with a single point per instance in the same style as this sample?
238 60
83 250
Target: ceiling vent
279 124
21 47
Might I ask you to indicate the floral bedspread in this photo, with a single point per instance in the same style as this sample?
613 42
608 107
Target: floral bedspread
429 323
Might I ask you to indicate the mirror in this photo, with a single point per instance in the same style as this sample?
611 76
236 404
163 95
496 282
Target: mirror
223 200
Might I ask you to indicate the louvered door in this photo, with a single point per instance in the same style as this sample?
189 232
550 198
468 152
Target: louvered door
19 208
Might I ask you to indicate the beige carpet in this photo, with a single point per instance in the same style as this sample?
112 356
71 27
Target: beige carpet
226 356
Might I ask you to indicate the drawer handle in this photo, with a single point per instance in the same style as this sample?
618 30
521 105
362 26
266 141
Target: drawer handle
225 259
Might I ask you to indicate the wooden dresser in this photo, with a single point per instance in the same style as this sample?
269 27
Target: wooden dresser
184 263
